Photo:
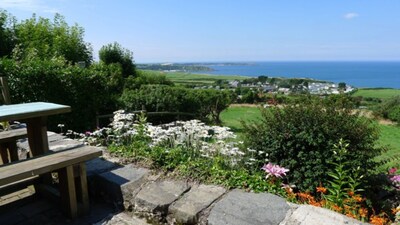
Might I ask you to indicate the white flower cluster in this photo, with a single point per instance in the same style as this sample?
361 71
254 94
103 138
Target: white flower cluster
209 140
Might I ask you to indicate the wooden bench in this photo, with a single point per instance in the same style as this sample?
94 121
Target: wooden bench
8 141
70 165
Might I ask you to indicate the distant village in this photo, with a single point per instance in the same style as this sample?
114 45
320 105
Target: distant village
283 87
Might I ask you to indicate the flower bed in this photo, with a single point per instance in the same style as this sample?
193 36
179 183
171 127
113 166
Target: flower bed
213 154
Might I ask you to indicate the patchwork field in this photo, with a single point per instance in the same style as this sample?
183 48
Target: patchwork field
384 93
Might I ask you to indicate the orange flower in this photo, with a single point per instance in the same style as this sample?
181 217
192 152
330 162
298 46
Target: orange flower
349 214
350 193
337 208
363 212
377 220
305 197
321 189
357 198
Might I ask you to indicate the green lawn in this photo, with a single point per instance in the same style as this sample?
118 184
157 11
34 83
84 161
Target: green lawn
390 137
233 116
384 93
389 134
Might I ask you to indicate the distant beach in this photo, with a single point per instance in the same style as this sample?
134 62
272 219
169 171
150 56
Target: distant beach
358 74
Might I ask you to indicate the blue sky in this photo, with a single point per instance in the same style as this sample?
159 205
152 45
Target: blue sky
232 30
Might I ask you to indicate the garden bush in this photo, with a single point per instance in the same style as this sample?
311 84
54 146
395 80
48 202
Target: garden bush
203 104
85 90
301 136
390 109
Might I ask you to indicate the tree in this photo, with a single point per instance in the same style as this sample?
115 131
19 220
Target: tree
7 35
342 86
115 53
46 39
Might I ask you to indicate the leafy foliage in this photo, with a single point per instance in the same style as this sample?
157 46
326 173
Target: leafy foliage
205 104
7 34
86 91
47 39
115 53
300 137
390 109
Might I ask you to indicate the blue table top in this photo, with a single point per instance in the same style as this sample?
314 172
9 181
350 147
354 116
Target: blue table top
31 110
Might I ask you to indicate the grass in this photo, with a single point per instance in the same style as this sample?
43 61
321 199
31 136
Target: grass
189 78
390 137
382 93
233 116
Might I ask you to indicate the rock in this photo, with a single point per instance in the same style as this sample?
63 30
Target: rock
187 209
241 208
311 215
122 184
122 219
155 197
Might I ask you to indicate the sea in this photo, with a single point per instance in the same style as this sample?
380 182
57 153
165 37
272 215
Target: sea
357 74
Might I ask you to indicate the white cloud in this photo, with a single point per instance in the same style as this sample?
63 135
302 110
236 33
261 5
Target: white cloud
27 5
351 15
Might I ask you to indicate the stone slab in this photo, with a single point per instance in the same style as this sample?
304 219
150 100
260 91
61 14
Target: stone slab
311 215
98 166
122 184
156 197
122 219
240 208
187 209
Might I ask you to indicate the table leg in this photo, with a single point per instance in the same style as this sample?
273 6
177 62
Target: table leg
37 135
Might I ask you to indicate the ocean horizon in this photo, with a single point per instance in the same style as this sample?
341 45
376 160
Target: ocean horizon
361 74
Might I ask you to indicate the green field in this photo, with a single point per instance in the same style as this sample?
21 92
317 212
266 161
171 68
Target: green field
384 93
203 79
189 78
389 134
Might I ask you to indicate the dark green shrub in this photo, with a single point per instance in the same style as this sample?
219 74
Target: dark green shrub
389 109
115 53
301 137
394 114
56 81
204 104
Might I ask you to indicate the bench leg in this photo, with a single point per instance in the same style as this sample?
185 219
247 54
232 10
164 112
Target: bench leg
83 187
67 191
13 149
4 153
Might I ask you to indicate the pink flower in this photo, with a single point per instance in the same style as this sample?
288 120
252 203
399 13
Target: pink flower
392 170
274 170
395 179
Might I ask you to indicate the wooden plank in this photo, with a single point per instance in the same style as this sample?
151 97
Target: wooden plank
37 135
31 110
13 135
83 188
43 164
67 191
5 91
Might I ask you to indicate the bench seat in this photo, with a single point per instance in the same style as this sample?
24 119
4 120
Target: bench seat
8 143
13 135
62 162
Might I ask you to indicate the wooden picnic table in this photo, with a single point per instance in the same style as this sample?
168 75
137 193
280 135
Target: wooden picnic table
35 115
